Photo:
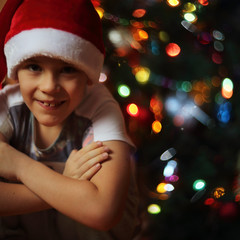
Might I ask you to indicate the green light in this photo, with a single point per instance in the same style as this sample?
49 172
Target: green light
186 86
124 90
199 185
154 209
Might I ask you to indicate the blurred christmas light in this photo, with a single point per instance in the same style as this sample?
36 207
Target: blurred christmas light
142 74
100 11
218 46
219 192
156 126
163 36
204 38
140 35
227 88
173 50
167 155
218 35
133 110
172 105
173 3
199 184
103 77
138 13
189 26
124 90
203 2
209 201
96 3
161 188
154 209
186 86
169 187
217 58
224 112
173 178
137 24
156 106
190 17
189 7
170 168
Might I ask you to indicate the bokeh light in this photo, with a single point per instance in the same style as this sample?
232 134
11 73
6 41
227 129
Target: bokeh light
154 209
173 3
219 192
199 184
138 13
133 110
142 74
173 50
227 88
156 126
123 90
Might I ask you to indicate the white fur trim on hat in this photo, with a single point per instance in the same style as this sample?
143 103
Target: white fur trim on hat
56 44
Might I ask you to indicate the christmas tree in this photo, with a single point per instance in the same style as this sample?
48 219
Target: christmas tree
173 66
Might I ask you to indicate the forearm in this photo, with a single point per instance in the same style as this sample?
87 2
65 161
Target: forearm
18 199
78 199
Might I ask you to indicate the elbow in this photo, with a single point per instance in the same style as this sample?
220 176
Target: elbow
102 220
105 222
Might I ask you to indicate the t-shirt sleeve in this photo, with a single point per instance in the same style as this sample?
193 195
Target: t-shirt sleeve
105 114
6 127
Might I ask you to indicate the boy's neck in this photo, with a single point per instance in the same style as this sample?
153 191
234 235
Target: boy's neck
45 136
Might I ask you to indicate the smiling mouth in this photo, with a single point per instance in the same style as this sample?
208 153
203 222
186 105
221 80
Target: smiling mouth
47 104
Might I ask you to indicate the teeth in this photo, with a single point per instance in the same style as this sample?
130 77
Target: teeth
46 104
49 104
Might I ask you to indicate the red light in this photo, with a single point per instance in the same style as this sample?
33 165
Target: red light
203 2
209 201
138 13
133 110
172 49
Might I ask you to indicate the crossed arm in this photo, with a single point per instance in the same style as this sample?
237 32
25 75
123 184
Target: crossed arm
95 199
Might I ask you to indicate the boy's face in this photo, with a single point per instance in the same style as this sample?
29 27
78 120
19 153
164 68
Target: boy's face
51 88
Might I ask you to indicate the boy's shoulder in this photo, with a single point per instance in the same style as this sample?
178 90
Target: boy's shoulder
97 97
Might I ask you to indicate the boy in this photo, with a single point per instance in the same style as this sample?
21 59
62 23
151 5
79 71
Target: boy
55 52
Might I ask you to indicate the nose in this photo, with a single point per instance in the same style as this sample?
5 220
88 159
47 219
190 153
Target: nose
49 83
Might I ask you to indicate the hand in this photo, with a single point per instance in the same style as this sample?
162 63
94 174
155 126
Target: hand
86 162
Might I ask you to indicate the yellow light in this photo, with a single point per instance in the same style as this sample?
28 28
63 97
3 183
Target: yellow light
143 35
161 188
132 110
173 3
156 126
154 209
100 11
143 75
163 36
219 192
189 7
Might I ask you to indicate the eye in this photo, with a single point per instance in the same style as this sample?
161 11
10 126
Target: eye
34 67
69 70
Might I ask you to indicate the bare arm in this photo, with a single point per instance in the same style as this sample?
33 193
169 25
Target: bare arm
16 198
97 203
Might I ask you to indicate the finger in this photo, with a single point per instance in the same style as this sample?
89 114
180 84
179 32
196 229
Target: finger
92 162
91 172
82 158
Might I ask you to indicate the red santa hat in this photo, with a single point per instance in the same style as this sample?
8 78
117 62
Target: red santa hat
69 30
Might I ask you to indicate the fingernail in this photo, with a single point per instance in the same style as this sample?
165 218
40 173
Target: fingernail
99 143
